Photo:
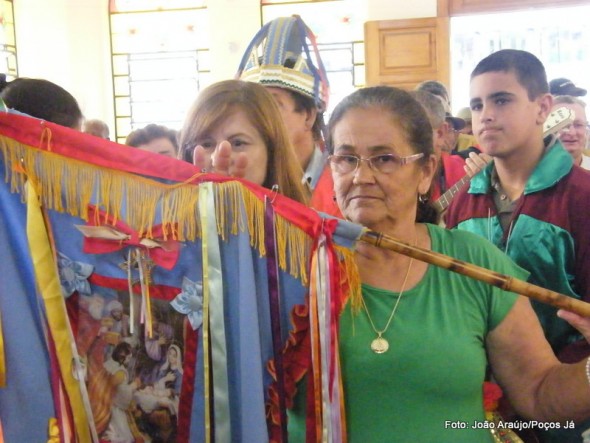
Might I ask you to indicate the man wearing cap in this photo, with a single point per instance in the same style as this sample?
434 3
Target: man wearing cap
465 114
564 86
450 167
455 141
455 125
458 142
279 58
575 136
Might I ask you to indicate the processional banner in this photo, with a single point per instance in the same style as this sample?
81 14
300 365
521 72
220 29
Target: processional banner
142 300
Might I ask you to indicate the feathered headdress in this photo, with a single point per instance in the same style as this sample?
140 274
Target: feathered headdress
280 55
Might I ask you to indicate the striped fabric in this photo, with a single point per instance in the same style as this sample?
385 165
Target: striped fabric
284 54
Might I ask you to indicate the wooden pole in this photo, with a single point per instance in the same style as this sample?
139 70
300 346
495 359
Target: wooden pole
502 281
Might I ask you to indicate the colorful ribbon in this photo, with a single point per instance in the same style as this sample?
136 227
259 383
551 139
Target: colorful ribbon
322 282
314 401
213 297
144 266
328 270
272 267
327 421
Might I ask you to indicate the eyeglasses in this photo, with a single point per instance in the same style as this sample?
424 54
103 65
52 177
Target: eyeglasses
384 163
578 126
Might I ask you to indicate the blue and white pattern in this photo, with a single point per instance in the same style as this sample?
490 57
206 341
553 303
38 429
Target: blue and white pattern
190 302
284 54
73 275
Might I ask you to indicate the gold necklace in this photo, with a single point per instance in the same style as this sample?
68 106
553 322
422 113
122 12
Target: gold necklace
380 345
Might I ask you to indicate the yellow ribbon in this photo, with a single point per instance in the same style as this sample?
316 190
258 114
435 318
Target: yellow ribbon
314 334
49 287
130 290
212 274
203 189
144 282
53 431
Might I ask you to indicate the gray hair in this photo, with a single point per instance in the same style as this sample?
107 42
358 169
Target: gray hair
568 100
432 105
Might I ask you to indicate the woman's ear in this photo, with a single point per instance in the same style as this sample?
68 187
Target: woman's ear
311 115
428 171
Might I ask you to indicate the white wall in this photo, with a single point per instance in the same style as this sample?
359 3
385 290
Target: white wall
67 41
400 9
234 24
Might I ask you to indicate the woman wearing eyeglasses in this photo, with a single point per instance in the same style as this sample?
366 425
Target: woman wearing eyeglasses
234 128
416 346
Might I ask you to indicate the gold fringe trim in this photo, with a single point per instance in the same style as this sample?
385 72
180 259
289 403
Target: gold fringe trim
68 185
352 277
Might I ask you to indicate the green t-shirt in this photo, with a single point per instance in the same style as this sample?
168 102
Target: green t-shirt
428 387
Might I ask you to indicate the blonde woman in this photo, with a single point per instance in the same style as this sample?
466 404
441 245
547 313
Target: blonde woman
235 123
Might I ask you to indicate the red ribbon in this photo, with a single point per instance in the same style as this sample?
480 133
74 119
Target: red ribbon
162 252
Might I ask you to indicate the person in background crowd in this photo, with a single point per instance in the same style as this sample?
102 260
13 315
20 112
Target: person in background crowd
466 144
574 137
465 115
279 58
96 127
155 138
530 201
41 99
456 125
450 167
563 86
437 88
456 142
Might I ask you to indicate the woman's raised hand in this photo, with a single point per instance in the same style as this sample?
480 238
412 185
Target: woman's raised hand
223 161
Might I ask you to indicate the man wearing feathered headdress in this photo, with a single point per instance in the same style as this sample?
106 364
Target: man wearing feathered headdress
284 57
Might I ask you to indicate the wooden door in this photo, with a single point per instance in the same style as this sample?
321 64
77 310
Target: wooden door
404 53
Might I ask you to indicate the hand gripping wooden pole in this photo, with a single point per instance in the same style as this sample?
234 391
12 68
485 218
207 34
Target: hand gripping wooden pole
485 275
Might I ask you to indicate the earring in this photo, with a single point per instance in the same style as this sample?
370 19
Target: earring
275 191
422 198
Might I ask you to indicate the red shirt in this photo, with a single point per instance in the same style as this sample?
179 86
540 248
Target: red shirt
323 198
452 172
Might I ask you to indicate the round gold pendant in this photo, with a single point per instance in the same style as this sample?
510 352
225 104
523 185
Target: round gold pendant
379 345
